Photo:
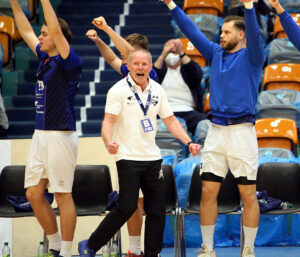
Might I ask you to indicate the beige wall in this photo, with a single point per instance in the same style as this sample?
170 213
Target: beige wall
26 231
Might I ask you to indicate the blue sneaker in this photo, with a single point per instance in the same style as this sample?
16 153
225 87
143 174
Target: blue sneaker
84 250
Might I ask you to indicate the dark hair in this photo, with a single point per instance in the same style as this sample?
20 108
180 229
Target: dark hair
238 21
64 28
138 40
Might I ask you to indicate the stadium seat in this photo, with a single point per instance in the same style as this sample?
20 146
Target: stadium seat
8 34
278 29
282 76
281 133
281 181
201 131
281 50
291 6
280 103
192 52
165 140
209 25
205 6
206 107
12 183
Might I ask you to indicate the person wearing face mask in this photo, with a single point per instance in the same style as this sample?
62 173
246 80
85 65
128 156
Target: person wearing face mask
180 77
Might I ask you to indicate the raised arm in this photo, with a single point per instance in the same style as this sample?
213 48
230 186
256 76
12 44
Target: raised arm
253 36
24 26
290 26
107 53
189 28
59 39
168 47
121 44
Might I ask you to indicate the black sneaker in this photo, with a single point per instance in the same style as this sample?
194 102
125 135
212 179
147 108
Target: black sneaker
52 253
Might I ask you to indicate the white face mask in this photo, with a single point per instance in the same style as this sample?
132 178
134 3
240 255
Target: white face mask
172 59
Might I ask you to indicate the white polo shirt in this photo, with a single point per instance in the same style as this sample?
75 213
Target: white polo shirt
134 143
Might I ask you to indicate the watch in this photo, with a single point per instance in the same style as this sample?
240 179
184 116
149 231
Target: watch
190 142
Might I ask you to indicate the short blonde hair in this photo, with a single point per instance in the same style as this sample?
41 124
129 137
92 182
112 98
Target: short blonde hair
139 50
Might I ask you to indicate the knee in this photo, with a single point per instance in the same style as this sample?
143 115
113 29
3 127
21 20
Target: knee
61 198
33 195
209 193
249 198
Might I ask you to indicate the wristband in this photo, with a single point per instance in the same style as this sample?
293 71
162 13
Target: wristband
190 142
182 55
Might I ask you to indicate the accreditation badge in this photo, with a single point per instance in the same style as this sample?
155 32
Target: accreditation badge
147 125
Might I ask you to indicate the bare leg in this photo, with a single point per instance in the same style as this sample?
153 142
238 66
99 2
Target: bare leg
67 215
41 207
208 204
251 208
135 222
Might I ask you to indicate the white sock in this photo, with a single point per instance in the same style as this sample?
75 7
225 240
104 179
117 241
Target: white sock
208 236
54 241
66 248
250 235
135 245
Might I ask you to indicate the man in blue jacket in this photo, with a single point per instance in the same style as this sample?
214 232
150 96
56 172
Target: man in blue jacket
290 26
231 142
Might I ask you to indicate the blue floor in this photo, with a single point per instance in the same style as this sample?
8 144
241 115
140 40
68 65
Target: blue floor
235 252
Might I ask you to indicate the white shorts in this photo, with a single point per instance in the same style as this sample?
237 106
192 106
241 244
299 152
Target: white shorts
231 147
52 155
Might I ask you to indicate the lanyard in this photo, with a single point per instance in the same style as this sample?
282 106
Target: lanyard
144 109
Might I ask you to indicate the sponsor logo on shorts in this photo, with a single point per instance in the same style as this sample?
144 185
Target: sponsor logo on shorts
61 183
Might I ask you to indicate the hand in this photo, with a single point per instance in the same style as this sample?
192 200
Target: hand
194 148
100 23
92 34
179 49
112 147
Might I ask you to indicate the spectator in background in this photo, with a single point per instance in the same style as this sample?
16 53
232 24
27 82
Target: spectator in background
290 26
132 41
180 77
3 118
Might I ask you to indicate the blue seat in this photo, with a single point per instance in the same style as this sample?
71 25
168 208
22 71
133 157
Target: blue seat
210 25
165 139
281 50
279 103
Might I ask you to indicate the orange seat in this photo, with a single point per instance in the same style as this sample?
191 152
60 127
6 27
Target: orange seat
206 107
32 4
213 7
8 34
277 132
192 52
278 31
282 75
